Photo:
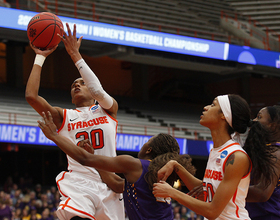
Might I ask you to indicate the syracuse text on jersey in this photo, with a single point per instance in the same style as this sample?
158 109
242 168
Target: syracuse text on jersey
85 124
212 174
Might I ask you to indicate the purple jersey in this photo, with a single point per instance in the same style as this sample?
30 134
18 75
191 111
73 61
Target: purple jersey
140 203
270 208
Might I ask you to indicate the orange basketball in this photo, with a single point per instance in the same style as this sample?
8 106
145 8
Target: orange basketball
42 30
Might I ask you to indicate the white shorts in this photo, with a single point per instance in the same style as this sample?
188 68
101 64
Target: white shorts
88 197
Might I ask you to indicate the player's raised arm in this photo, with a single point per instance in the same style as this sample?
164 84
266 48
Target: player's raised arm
32 88
72 46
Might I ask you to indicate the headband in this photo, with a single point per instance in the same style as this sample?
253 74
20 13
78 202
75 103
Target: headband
225 107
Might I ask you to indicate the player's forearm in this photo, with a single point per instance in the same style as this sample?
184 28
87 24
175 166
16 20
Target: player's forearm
81 155
200 207
189 180
69 148
33 84
75 56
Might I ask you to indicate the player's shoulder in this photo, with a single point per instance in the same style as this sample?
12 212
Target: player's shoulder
233 146
238 159
240 154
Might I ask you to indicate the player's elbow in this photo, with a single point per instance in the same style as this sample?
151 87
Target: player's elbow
211 214
211 217
30 98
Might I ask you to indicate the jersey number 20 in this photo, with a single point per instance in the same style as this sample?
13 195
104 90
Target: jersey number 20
95 136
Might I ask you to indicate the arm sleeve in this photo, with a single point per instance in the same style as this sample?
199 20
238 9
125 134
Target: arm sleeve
93 85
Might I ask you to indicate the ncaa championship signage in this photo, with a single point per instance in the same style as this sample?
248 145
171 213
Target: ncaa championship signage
134 37
21 134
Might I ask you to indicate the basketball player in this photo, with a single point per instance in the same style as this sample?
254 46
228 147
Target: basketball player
83 194
263 202
140 174
227 176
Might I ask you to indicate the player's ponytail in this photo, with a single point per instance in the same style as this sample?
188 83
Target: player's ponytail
263 161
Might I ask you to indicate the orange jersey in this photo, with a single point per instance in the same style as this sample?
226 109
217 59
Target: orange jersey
82 191
213 176
91 123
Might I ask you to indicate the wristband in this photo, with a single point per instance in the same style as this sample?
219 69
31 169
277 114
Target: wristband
39 60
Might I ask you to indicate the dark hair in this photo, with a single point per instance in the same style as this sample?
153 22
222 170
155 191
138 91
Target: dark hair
241 114
256 142
163 143
164 148
274 129
158 162
259 146
260 153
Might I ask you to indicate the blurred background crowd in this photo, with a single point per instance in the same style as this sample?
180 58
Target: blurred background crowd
24 200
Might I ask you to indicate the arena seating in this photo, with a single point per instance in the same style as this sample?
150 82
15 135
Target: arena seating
189 18
208 10
264 12
132 119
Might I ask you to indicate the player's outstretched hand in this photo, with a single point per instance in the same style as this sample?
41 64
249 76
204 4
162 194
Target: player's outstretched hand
72 45
47 126
166 170
86 145
45 53
162 189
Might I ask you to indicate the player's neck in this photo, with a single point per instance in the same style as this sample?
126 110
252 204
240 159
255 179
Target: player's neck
84 104
219 139
147 157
